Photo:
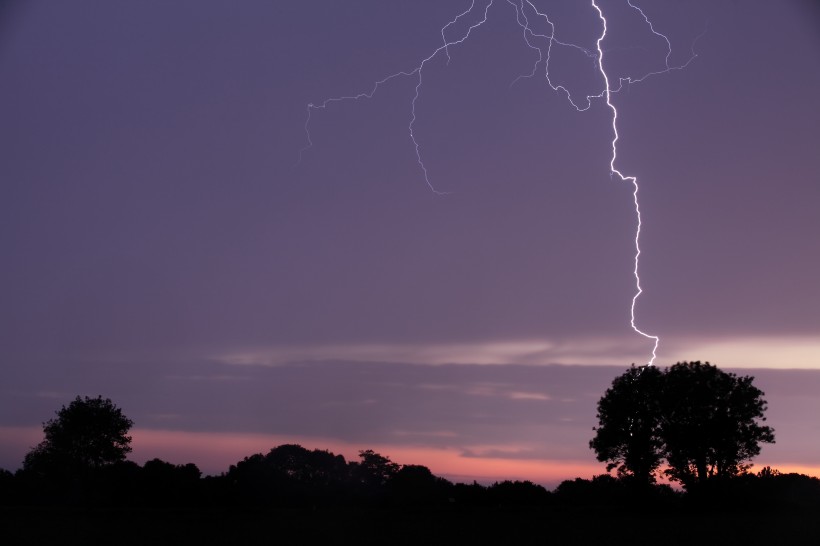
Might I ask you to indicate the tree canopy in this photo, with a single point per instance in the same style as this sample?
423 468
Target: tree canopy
702 421
87 434
711 422
628 434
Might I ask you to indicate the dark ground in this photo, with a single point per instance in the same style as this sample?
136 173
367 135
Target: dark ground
441 525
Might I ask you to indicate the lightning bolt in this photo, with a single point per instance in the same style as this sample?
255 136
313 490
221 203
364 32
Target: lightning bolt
545 57
632 179
543 44
414 72
608 91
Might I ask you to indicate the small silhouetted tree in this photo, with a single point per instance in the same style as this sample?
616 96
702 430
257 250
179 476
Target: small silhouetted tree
316 468
470 494
371 475
87 434
165 483
289 473
252 481
603 490
416 484
518 493
374 470
712 422
628 431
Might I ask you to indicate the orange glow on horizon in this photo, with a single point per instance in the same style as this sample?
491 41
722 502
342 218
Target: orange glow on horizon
214 452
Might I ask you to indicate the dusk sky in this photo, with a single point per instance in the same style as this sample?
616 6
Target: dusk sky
173 238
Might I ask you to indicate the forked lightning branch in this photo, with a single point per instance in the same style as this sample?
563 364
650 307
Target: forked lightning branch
544 43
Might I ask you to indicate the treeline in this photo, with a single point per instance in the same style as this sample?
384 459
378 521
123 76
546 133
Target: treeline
292 476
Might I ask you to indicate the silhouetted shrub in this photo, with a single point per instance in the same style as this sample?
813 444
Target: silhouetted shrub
614 494
518 493
8 488
472 494
165 484
764 492
289 474
416 485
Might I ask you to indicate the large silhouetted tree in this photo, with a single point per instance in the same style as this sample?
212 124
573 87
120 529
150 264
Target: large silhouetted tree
705 422
628 433
87 434
711 422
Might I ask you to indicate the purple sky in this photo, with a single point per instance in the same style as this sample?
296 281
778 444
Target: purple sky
161 246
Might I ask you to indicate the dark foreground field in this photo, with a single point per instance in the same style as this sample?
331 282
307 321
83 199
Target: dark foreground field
440 525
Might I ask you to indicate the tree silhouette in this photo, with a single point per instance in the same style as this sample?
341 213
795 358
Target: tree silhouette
289 473
86 435
710 422
374 470
164 483
628 434
703 421
320 468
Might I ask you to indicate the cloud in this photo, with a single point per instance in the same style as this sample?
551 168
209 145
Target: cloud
793 352
521 414
785 352
586 351
518 395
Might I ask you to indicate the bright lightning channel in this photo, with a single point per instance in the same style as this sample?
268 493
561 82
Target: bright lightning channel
632 179
544 56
